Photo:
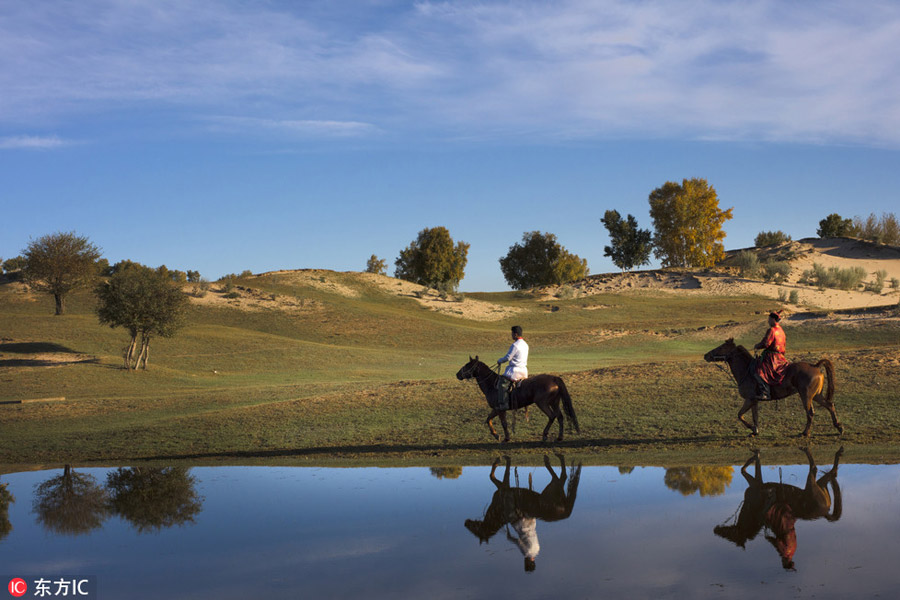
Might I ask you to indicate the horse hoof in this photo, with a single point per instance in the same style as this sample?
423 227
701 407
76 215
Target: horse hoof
753 434
840 430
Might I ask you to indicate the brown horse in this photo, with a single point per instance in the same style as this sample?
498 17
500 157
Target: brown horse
810 503
545 391
799 378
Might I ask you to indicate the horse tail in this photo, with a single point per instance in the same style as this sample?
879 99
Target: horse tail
829 371
567 403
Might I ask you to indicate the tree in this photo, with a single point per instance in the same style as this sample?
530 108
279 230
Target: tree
771 238
60 263
432 260
70 504
376 265
540 260
834 226
630 246
146 303
688 224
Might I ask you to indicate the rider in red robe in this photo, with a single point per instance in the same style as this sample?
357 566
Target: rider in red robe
771 365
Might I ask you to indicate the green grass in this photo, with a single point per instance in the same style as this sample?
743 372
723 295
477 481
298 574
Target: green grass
371 378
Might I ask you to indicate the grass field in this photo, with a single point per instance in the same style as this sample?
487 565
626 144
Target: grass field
370 379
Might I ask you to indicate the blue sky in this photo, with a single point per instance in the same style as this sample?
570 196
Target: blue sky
231 135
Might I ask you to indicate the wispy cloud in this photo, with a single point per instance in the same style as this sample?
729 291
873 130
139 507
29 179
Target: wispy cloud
766 70
292 127
30 142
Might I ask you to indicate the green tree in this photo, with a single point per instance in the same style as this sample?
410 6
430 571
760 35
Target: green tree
6 498
12 268
688 224
834 226
540 260
145 302
771 238
433 260
70 504
630 247
376 265
59 263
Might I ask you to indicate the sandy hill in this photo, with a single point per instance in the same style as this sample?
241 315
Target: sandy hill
724 280
254 293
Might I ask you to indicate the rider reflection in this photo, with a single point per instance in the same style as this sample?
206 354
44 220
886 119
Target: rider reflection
522 507
777 506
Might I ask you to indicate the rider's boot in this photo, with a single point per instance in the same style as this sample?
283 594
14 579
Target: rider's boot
762 391
502 395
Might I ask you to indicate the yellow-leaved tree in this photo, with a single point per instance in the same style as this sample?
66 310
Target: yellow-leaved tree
688 224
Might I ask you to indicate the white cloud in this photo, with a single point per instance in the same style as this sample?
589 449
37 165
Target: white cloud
765 70
30 142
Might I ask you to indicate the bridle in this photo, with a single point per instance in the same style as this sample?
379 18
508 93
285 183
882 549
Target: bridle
472 373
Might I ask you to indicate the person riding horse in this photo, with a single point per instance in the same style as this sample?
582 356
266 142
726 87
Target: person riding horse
771 365
517 369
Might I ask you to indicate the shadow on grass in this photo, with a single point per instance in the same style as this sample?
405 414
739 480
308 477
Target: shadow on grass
35 362
434 449
35 348
40 348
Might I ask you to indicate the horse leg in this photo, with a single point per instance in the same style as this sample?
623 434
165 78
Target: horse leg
806 401
748 404
490 424
830 407
550 415
505 427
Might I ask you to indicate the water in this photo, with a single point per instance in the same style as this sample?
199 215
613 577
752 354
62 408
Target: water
286 532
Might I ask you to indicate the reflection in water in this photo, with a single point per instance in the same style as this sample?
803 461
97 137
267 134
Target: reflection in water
6 498
521 507
148 498
154 498
709 481
70 504
777 506
446 472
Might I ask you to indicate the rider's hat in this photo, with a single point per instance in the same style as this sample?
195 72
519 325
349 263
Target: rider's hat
775 315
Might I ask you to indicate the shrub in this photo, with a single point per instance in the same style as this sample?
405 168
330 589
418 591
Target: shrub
776 270
782 295
565 292
794 297
834 277
878 285
771 238
232 295
895 283
748 263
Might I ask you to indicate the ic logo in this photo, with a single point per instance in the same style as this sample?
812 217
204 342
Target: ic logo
18 587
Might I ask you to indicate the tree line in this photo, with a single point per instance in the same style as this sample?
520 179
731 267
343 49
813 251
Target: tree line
688 233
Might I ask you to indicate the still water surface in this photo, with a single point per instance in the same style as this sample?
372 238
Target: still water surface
475 532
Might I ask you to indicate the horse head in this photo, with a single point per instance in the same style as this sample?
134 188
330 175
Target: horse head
722 352
468 370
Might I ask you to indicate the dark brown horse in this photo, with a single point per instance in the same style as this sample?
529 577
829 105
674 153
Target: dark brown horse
799 378
544 391
810 503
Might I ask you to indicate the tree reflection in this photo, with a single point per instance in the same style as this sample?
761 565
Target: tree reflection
70 504
446 472
777 506
521 507
709 481
154 498
6 498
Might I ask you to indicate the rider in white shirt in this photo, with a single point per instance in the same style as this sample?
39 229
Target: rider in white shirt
517 369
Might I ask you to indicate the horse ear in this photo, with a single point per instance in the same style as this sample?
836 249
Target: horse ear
729 340
476 357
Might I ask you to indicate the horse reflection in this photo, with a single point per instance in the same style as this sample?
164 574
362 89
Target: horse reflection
521 507
777 506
